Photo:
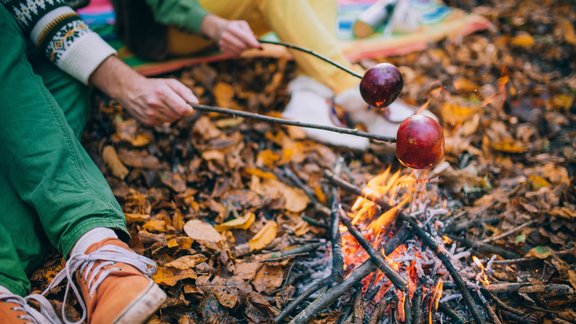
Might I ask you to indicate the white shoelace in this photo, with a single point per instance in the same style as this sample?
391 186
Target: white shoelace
86 264
46 315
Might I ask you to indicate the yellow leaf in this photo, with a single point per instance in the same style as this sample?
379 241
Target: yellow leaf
224 95
112 160
569 33
155 225
563 101
510 146
172 243
523 39
136 218
259 173
186 262
171 276
538 182
201 231
243 222
267 158
141 139
455 113
264 237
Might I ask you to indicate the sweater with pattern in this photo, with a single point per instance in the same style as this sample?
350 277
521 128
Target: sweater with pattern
57 30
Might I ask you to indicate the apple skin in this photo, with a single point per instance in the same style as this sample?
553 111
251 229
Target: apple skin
381 85
420 142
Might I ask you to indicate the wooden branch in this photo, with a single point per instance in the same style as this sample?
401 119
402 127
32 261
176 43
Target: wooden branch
507 233
486 248
375 256
450 313
336 239
358 274
282 121
423 236
301 298
553 289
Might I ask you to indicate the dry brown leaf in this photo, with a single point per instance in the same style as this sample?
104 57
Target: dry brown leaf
171 276
173 180
186 262
264 237
247 271
224 95
243 222
295 199
268 279
136 218
111 159
201 231
139 159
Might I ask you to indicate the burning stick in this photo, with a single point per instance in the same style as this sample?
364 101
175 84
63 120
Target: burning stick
375 256
337 259
358 274
275 120
423 236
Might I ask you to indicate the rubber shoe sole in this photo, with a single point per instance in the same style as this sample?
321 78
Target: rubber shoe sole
144 306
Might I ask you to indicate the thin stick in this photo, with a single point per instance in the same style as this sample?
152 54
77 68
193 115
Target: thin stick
358 274
450 313
375 256
337 258
301 298
276 120
417 302
307 51
510 232
423 236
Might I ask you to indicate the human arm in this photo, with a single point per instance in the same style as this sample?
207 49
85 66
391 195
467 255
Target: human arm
232 36
151 101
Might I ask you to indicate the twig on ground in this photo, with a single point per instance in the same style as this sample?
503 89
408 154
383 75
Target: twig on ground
357 274
486 248
423 236
462 226
510 232
571 251
336 240
274 256
549 289
301 298
450 313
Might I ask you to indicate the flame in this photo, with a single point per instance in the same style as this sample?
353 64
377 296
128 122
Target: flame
424 106
387 217
401 302
438 293
482 277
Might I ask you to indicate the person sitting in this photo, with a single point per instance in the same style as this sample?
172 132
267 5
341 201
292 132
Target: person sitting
166 28
51 192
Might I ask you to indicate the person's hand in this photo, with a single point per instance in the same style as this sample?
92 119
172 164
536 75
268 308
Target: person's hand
157 101
233 36
151 101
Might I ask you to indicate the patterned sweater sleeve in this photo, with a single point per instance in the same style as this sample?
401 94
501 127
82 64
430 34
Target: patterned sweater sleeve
58 31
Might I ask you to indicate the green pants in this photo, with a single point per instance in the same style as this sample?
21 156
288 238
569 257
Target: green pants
51 192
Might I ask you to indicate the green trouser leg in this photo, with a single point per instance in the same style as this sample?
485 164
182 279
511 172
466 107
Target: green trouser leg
50 190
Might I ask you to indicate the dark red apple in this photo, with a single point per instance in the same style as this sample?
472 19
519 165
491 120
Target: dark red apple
381 85
420 142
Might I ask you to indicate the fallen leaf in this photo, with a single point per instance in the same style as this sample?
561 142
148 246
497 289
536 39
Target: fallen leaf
111 159
201 231
260 174
186 262
243 222
268 279
523 39
155 225
264 237
173 180
540 252
171 276
247 271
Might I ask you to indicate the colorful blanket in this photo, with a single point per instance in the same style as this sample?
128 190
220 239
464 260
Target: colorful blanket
100 16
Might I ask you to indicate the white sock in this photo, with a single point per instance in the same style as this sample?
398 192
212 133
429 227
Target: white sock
93 236
4 290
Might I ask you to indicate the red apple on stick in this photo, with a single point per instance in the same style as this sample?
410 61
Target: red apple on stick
381 85
420 142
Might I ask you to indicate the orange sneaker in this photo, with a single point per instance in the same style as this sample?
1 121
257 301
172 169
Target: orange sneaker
15 310
114 282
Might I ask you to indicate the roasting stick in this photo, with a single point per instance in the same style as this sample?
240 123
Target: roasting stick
276 120
307 51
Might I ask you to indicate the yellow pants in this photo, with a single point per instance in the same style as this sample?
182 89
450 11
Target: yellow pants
307 23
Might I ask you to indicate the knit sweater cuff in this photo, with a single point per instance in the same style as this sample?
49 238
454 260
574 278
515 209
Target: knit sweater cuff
84 56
